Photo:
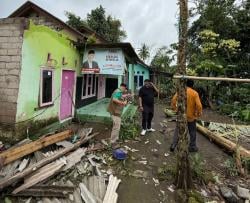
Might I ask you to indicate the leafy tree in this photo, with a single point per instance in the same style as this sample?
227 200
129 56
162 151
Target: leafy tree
144 52
107 26
162 59
115 33
97 21
75 21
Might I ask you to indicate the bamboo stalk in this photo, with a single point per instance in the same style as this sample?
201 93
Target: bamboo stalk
246 80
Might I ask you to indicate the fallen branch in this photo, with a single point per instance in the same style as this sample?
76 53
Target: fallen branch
17 177
229 145
19 152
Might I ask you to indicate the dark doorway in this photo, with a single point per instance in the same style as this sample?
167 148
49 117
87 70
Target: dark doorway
111 85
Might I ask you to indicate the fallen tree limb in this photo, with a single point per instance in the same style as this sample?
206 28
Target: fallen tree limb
17 177
229 145
19 152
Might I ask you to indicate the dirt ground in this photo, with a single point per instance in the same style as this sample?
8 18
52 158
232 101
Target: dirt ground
154 149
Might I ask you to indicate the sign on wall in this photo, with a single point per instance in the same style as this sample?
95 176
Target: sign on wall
103 61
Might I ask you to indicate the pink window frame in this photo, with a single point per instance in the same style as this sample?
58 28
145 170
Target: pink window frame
87 86
41 104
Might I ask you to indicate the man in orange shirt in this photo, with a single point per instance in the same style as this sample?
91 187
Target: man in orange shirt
193 111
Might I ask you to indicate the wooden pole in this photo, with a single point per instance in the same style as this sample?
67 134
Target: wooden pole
229 145
246 80
183 179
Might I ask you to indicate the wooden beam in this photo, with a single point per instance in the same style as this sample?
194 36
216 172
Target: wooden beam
19 176
246 80
229 145
19 152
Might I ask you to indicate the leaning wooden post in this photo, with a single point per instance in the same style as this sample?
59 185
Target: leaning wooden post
183 179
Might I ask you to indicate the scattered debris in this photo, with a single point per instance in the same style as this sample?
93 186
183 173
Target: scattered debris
171 188
154 150
156 182
104 142
130 149
158 142
7 181
146 142
139 174
162 192
229 195
143 162
166 154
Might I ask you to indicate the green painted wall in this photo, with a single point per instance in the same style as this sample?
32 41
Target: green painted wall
38 41
138 70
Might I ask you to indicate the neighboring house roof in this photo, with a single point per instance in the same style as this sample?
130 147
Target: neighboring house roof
28 7
125 46
144 64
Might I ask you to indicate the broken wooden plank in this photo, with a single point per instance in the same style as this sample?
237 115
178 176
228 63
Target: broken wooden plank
17 177
43 174
229 145
47 191
42 193
19 152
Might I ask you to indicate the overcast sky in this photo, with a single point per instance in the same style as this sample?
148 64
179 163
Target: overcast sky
145 21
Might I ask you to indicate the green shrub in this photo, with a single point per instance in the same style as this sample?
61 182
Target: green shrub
130 127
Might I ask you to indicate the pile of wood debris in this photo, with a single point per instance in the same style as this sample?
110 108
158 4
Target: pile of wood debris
56 169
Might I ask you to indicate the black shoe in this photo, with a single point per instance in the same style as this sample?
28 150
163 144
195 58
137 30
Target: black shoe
172 148
195 149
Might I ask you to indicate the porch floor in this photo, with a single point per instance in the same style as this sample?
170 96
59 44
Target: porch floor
97 112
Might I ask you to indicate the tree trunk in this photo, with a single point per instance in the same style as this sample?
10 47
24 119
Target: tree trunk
183 176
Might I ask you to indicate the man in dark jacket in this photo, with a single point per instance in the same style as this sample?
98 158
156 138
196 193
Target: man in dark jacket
146 104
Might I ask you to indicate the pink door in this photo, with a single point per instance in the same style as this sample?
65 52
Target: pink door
67 94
